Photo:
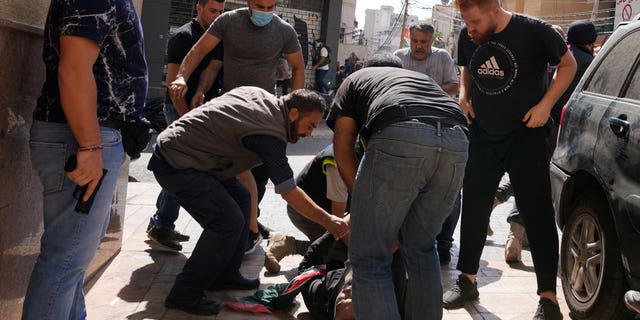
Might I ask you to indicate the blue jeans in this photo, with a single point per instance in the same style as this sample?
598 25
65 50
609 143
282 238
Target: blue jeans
222 208
167 208
321 86
405 187
70 239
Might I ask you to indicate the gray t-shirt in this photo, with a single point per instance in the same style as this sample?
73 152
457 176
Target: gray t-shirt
438 65
251 53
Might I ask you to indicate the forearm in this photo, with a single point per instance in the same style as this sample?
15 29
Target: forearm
180 103
465 84
208 77
205 44
303 204
338 208
561 81
347 164
297 79
78 96
450 88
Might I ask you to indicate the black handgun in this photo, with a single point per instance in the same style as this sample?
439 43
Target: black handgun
78 192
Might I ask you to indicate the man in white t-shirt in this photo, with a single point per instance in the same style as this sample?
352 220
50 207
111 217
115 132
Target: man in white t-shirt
424 58
321 66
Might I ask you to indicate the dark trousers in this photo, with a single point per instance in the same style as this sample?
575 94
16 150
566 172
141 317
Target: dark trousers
524 155
285 84
445 237
321 86
260 175
222 209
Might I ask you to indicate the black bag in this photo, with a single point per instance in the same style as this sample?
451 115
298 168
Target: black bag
135 137
320 294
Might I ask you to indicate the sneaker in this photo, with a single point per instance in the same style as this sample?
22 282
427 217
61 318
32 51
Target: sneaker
632 300
150 225
547 310
264 230
253 242
199 306
177 236
460 293
279 246
163 240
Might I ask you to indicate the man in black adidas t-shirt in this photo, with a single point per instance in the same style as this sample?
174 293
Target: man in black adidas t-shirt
504 95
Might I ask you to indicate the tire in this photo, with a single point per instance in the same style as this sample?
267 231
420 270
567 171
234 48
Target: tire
593 278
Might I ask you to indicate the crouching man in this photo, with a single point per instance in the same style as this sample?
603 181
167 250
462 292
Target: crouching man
196 161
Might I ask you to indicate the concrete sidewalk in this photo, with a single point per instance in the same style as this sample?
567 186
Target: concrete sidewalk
136 282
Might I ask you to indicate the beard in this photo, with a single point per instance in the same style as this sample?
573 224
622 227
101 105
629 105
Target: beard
480 38
293 128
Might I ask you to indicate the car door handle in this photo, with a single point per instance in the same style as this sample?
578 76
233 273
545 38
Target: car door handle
620 127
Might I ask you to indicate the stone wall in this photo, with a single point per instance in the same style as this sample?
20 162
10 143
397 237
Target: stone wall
21 77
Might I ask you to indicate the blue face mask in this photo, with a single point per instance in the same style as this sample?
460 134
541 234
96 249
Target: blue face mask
261 18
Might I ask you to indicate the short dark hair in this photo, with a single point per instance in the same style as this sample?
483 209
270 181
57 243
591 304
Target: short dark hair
204 2
422 27
384 60
305 100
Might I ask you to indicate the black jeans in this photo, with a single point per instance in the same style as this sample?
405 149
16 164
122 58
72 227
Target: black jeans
522 153
222 209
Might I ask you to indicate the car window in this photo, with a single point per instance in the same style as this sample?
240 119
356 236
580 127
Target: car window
633 92
612 72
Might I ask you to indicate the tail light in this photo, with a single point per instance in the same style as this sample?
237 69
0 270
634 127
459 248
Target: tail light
564 109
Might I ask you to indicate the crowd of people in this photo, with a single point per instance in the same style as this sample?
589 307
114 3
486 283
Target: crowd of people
416 147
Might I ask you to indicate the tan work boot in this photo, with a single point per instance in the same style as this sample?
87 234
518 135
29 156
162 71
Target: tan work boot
513 249
279 246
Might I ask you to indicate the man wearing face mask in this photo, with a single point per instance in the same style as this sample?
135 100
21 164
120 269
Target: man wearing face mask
254 39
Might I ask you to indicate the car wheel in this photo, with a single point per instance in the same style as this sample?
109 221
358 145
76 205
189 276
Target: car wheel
591 269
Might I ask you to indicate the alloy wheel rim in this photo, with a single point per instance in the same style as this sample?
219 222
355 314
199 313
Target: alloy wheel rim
585 258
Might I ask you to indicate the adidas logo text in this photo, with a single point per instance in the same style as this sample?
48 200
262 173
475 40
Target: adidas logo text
491 68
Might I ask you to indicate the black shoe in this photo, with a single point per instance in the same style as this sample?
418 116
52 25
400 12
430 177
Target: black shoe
445 256
460 293
150 225
200 306
177 236
253 242
163 239
547 310
237 282
632 300
264 231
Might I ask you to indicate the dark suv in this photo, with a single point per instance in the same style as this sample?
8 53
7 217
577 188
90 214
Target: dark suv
595 178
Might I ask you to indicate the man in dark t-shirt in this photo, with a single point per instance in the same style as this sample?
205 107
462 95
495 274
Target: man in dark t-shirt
203 85
96 80
505 98
407 181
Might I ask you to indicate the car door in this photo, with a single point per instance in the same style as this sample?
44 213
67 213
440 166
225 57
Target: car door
617 150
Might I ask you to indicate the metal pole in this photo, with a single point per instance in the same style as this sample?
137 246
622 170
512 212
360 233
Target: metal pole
404 22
